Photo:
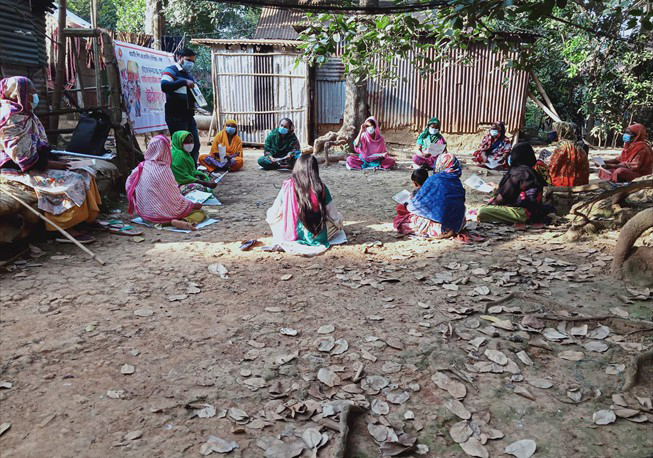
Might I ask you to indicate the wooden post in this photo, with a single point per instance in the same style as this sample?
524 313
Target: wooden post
61 65
113 78
540 88
96 55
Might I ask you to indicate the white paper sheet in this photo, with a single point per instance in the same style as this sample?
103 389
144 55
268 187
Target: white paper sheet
402 197
475 182
599 160
435 149
222 151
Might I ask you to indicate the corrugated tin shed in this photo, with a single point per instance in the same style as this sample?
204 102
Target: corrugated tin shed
276 23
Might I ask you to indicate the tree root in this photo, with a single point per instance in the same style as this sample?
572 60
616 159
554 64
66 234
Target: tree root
627 238
635 367
348 411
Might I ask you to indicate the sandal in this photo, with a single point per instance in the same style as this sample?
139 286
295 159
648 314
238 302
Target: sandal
84 239
124 230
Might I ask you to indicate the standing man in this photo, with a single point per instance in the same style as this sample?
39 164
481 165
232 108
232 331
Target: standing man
177 82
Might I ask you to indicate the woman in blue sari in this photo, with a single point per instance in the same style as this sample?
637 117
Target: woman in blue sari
438 209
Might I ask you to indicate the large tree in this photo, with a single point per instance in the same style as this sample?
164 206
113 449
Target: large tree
594 58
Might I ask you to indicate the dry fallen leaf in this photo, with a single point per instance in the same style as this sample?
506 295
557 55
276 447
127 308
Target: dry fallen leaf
391 367
341 346
460 432
619 312
473 447
380 407
538 382
596 346
496 356
457 408
326 329
286 277
614 369
288 332
521 391
604 417
599 333
625 413
524 448
524 358
127 369
453 387
328 377
219 269
571 355
378 432
143 312
312 437
397 396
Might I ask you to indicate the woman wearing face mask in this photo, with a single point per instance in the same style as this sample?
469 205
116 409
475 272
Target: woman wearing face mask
371 149
281 147
67 198
229 139
495 148
153 193
183 166
430 136
519 197
635 160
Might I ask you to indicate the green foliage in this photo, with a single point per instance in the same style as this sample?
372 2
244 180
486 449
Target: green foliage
591 56
204 17
131 16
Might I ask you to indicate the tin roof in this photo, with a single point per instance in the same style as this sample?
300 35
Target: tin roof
217 42
276 23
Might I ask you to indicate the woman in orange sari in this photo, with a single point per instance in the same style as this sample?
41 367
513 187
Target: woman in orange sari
569 165
229 139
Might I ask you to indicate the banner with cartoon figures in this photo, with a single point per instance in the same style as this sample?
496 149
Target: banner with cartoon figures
140 78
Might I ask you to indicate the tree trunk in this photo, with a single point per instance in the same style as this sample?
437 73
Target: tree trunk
154 21
357 110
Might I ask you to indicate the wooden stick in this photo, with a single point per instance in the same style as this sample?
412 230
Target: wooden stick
66 234
540 88
544 108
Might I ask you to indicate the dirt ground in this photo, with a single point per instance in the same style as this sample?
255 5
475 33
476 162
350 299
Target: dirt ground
410 311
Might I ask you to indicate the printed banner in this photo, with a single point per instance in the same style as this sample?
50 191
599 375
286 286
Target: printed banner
140 78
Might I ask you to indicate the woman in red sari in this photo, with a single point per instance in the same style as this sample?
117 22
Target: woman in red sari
635 160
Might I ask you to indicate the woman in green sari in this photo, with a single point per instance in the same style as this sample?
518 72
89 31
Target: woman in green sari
281 147
183 165
430 136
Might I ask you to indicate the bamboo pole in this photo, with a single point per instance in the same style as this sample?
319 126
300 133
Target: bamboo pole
278 75
544 108
540 88
61 65
56 226
96 54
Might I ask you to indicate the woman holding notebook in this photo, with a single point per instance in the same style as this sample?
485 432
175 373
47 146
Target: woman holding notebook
371 149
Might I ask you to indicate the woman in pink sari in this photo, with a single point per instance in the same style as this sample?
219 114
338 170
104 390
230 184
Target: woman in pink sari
153 192
371 149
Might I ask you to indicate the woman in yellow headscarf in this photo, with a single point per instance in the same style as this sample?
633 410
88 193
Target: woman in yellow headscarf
229 139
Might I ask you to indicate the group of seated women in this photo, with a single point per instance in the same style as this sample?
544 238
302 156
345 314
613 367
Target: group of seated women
303 212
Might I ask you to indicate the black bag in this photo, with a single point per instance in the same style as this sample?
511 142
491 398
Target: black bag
90 134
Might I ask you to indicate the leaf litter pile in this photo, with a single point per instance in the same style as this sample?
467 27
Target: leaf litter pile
389 348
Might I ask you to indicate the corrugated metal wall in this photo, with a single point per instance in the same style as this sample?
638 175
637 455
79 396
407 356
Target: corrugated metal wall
247 91
463 97
22 43
330 92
